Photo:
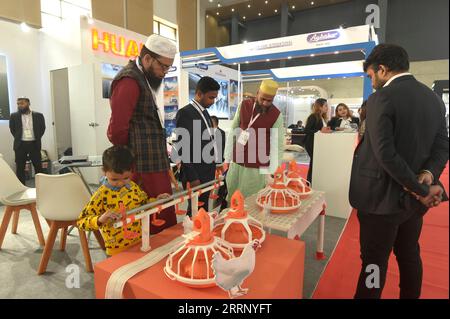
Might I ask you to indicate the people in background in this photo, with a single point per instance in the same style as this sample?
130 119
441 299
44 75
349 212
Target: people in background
256 142
316 122
136 119
396 170
362 119
116 188
199 165
27 128
298 126
343 118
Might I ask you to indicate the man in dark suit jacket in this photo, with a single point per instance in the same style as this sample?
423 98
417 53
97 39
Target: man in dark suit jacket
198 149
27 127
396 170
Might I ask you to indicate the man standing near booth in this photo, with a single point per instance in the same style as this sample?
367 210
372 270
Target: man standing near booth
255 144
199 166
396 170
27 127
136 119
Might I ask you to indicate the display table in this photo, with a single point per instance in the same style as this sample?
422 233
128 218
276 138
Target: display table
294 224
332 166
278 273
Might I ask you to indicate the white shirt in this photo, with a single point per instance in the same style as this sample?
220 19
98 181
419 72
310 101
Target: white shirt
396 77
345 123
27 127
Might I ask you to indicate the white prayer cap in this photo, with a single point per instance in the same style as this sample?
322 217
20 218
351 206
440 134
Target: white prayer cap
162 46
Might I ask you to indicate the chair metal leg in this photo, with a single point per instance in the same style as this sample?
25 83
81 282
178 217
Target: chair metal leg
15 221
6 218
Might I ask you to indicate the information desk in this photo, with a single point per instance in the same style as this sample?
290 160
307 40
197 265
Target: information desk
278 273
332 167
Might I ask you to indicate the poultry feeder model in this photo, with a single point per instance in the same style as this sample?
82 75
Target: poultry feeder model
236 227
296 182
191 262
278 197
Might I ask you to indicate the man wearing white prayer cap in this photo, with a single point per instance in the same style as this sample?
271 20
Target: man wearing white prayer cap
136 120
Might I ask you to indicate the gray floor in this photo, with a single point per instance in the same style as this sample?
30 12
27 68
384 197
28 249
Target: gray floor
20 256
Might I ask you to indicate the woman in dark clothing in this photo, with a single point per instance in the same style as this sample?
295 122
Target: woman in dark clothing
343 118
317 121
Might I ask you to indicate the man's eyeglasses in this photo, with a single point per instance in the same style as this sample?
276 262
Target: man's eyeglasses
165 67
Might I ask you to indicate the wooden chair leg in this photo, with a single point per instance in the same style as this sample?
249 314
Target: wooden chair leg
84 246
99 238
37 224
5 222
48 247
15 221
62 244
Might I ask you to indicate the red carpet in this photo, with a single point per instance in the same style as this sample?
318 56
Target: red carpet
341 274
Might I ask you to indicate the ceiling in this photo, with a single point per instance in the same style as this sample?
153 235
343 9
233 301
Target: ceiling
259 8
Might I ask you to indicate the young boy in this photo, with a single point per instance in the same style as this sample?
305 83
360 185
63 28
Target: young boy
116 189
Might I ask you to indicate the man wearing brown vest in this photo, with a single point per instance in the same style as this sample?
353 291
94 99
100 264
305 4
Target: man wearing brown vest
255 143
136 120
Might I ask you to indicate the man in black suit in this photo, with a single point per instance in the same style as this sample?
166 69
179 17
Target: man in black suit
220 149
27 127
396 170
196 142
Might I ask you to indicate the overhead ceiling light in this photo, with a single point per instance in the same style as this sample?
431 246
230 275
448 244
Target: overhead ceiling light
336 52
244 17
259 14
24 27
247 62
266 2
312 3
328 78
276 10
211 0
249 5
267 60
313 79
219 5
312 55
289 57
232 9
293 7
207 16
245 41
218 13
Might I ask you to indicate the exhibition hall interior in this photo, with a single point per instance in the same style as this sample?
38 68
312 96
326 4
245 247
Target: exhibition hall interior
224 149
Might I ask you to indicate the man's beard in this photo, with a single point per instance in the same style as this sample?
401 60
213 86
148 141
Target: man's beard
261 109
24 110
153 80
379 83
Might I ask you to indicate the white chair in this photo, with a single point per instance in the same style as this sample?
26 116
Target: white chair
16 196
60 199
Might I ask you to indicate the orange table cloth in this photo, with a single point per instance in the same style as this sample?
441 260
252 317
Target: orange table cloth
278 273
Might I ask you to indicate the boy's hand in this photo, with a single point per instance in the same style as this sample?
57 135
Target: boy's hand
108 218
163 196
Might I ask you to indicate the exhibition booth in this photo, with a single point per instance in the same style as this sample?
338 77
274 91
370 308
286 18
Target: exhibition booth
335 183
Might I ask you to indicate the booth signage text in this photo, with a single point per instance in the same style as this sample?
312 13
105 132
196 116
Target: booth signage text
323 36
115 44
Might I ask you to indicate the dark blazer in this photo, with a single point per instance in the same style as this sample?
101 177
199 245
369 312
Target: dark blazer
405 133
195 168
335 122
15 126
313 125
221 145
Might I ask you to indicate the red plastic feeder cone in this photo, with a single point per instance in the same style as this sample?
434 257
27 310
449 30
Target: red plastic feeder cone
236 227
191 262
